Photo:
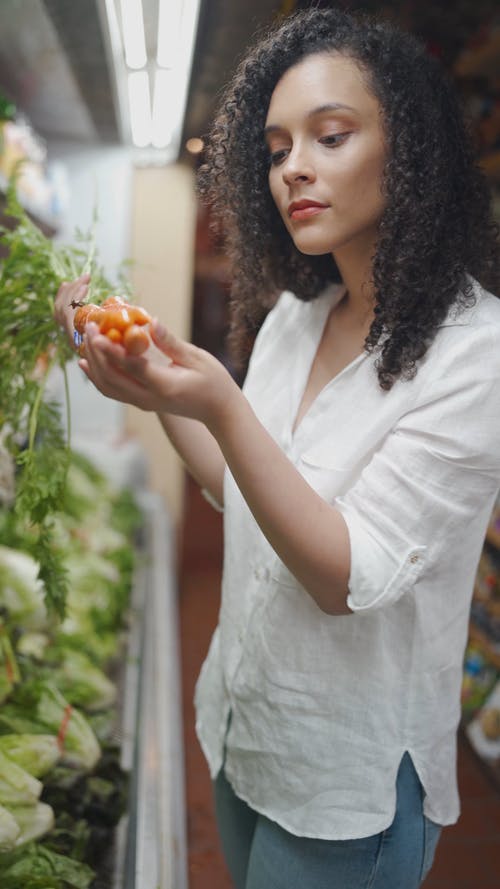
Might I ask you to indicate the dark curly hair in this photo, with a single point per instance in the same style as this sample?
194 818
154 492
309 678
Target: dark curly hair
436 229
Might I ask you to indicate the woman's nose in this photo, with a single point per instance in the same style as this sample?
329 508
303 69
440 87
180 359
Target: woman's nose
297 167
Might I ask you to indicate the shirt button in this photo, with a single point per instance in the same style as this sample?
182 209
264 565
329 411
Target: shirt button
414 558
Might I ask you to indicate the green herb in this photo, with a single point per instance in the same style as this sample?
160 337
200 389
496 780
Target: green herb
31 345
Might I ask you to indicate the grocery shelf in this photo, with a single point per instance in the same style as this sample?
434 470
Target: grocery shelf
491 651
481 687
151 839
491 165
493 535
480 61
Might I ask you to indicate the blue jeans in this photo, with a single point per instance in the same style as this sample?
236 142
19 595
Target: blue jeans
261 855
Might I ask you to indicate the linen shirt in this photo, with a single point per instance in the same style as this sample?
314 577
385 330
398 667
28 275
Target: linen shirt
323 707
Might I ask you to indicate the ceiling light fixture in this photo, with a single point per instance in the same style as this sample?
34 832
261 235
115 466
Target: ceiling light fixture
140 108
177 24
134 41
133 66
164 107
169 22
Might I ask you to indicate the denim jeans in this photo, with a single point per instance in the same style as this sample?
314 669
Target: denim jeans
262 855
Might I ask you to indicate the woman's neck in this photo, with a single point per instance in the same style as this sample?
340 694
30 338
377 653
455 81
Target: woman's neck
358 300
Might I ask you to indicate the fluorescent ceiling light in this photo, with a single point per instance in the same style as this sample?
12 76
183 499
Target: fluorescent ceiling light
185 31
165 109
169 22
140 108
177 23
134 41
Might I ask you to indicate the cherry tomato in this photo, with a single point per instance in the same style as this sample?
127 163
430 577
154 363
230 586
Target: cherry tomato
116 336
81 315
135 340
118 318
95 315
114 301
139 315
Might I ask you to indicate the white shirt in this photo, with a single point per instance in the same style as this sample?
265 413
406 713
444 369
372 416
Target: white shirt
323 707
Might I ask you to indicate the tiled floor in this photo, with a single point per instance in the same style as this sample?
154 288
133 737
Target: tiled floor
468 856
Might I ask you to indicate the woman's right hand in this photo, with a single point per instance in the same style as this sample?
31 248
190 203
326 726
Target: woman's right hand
173 376
70 293
168 379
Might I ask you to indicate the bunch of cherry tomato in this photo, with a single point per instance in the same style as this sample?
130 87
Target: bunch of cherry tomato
118 320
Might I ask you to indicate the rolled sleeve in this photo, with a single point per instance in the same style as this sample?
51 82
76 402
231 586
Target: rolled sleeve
211 500
428 485
378 575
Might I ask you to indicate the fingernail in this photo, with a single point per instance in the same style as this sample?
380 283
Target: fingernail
160 329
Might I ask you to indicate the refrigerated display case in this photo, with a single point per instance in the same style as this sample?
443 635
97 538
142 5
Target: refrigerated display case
151 838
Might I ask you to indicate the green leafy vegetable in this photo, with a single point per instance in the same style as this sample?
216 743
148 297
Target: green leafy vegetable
34 821
21 590
44 703
9 830
17 787
36 754
72 837
36 867
82 683
88 809
9 670
33 645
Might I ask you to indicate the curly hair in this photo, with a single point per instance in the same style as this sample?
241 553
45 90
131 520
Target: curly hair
436 229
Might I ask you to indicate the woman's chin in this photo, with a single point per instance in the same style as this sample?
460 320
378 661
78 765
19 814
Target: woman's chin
312 249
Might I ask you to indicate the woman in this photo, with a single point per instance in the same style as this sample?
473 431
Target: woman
358 468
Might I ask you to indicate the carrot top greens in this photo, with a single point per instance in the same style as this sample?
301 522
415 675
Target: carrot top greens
31 345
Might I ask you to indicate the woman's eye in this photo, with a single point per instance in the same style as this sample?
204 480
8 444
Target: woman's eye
276 157
331 140
334 139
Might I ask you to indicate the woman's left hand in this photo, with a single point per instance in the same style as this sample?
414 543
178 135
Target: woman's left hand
189 383
70 293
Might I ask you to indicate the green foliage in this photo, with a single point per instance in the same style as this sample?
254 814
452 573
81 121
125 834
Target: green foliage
53 572
67 517
126 515
97 800
36 867
32 344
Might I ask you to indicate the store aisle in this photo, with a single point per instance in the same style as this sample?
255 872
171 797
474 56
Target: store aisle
469 852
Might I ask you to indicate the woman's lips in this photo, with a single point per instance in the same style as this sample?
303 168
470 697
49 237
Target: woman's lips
304 210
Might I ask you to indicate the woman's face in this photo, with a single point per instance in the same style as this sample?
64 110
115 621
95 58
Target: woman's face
327 152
